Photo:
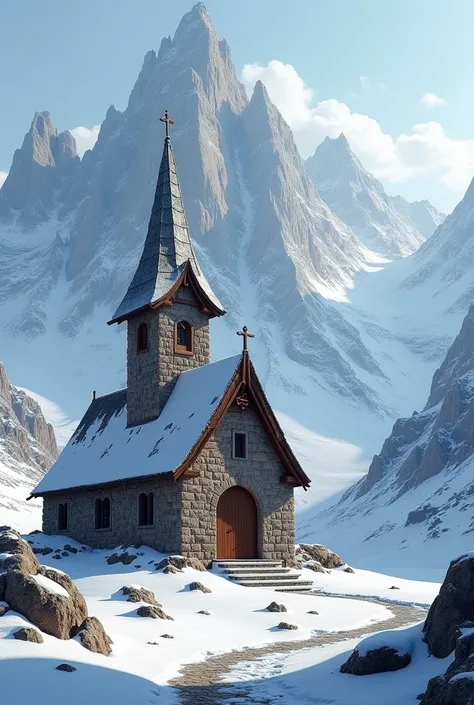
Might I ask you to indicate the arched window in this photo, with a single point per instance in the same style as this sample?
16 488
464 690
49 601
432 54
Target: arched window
183 338
62 517
146 504
102 513
142 338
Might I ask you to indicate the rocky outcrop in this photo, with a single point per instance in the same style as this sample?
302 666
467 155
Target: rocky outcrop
276 607
153 611
198 586
320 554
125 558
27 448
139 594
92 636
452 609
46 597
456 685
380 660
179 563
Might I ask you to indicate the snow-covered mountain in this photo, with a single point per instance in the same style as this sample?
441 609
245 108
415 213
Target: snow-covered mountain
27 449
416 504
338 358
271 248
389 225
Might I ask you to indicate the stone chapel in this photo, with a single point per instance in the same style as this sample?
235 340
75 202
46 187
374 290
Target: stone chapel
189 458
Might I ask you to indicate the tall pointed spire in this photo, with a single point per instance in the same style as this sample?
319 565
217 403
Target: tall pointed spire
168 258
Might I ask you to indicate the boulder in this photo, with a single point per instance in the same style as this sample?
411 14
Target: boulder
381 660
316 567
452 608
313 612
286 625
42 551
70 548
125 558
204 612
51 612
93 637
167 636
139 594
3 608
276 607
453 687
57 576
22 557
198 586
152 611
29 634
348 569
180 562
66 667
321 554
169 569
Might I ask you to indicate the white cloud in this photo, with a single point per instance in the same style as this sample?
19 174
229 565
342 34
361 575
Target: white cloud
424 150
365 81
431 100
85 137
3 176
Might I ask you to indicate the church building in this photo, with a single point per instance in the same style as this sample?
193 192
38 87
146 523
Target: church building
189 458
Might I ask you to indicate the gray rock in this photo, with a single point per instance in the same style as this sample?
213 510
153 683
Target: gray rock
286 625
153 611
348 569
4 609
452 608
198 586
125 558
28 634
66 667
276 607
204 612
139 594
446 689
93 637
167 636
323 555
313 612
179 563
379 660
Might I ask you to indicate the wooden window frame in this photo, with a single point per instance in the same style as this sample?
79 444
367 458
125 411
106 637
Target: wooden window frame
142 351
246 435
66 512
150 502
179 349
102 500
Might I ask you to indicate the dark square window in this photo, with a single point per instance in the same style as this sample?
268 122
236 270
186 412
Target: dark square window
240 445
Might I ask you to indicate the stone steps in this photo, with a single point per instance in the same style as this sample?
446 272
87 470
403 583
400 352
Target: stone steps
263 574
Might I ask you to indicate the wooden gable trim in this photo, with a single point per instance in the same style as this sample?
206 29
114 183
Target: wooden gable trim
188 278
246 377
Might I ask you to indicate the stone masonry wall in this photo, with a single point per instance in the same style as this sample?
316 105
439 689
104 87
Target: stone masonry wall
260 474
164 535
151 375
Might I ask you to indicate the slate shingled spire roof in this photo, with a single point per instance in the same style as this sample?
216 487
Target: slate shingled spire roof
168 254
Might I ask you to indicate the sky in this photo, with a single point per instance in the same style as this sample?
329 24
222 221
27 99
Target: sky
392 75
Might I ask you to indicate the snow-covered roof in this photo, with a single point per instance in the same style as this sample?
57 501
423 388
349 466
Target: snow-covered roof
104 450
167 247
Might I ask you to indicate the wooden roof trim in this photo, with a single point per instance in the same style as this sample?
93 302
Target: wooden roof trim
274 430
246 376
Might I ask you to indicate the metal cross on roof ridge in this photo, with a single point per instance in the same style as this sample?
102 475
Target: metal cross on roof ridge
168 121
245 334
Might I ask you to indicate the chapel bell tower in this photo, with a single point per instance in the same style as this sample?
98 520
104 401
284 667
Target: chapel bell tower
168 303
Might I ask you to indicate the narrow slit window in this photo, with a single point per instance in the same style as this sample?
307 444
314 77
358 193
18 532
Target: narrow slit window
62 517
239 445
142 338
183 337
102 513
146 509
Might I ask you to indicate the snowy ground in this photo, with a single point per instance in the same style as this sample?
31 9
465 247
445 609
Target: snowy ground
137 672
312 676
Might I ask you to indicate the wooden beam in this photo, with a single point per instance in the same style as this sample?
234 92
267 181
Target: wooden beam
190 472
289 480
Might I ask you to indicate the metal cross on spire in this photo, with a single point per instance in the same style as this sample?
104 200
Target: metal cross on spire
245 334
168 121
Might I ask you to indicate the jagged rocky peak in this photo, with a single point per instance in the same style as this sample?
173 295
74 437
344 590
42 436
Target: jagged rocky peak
25 435
389 225
40 173
442 435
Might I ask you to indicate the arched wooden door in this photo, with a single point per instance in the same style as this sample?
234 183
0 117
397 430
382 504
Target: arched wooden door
237 527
